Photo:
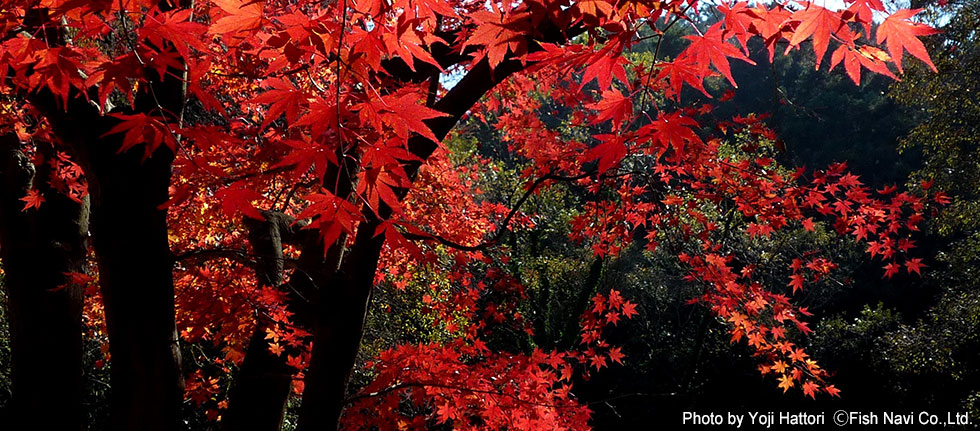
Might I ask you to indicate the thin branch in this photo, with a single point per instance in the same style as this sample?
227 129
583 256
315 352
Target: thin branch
503 225
213 253
407 385
635 394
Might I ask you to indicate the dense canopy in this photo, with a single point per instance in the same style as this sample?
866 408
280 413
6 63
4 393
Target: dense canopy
258 173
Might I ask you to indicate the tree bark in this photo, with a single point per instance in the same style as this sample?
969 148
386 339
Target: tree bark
37 247
129 234
344 290
258 398
130 239
340 316
257 401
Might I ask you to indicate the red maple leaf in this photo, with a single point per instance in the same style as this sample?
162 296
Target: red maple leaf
34 199
238 198
610 152
798 355
177 28
243 16
283 97
914 265
796 282
672 131
594 10
598 361
143 129
855 57
446 412
712 48
616 356
891 269
862 11
629 309
758 229
820 23
902 34
613 106
499 32
405 115
604 65
679 72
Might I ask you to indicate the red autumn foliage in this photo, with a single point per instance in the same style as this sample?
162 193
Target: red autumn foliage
333 113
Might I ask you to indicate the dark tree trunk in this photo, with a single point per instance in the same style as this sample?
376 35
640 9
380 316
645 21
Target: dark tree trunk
264 381
344 295
37 247
342 308
135 271
345 278
258 398
129 234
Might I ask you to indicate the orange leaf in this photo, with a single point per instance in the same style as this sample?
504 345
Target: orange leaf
785 382
810 389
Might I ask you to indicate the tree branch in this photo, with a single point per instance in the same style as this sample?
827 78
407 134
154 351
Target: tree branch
503 225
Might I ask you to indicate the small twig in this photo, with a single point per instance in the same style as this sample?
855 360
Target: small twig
407 385
503 225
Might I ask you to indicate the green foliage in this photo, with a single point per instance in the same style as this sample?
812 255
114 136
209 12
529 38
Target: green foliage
939 345
939 350
948 133
857 342
822 117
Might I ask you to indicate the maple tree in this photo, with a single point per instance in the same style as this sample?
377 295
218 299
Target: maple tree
253 169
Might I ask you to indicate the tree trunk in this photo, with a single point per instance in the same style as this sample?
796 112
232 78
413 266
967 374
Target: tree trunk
129 234
257 401
341 309
135 271
344 294
37 247
262 385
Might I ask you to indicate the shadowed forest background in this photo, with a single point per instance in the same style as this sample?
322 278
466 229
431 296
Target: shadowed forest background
902 343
